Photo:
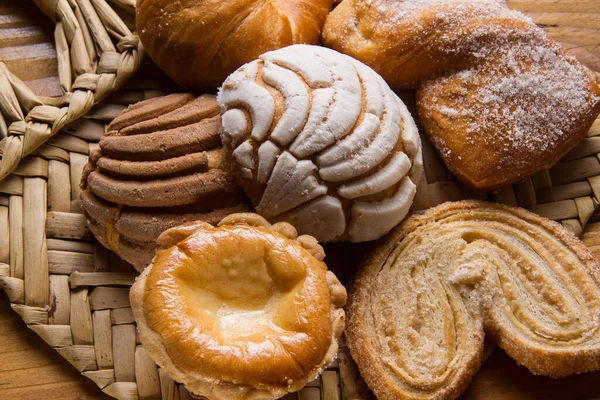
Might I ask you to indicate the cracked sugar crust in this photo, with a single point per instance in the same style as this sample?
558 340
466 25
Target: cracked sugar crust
321 141
160 164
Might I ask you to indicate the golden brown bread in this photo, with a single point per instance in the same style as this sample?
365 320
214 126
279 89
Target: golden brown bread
499 99
159 165
246 310
423 299
199 43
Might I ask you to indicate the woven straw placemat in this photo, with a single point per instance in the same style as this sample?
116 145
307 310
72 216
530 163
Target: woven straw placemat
96 51
74 293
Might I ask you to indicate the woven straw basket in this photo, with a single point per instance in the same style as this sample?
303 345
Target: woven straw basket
74 293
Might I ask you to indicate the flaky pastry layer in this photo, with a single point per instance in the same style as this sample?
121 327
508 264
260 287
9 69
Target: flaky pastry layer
423 300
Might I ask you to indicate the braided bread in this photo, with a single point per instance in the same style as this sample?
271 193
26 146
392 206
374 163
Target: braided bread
499 99
422 301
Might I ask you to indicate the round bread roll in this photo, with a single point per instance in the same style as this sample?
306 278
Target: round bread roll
198 43
320 140
246 310
160 164
463 269
499 99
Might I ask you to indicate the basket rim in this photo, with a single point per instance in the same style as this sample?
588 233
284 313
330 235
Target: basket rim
97 53
26 174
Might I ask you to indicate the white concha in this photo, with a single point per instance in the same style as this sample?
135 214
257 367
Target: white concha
321 141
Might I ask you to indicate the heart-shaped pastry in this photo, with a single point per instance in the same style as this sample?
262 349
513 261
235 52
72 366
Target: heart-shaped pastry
423 300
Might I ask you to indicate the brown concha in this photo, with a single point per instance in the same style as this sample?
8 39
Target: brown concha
160 164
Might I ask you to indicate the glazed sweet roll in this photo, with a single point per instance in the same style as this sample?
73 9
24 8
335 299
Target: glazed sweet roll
245 310
199 43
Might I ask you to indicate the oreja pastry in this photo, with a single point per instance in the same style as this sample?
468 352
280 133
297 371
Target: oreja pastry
199 43
245 310
444 278
321 141
160 164
499 99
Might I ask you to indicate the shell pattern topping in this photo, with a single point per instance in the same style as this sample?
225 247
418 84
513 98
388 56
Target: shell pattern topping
322 142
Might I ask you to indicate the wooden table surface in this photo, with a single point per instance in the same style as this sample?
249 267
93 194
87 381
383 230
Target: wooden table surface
30 369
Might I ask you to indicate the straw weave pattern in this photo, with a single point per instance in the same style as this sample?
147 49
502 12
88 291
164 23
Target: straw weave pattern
73 292
96 54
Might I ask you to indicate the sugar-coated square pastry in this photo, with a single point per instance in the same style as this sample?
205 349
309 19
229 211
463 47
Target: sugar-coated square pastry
499 99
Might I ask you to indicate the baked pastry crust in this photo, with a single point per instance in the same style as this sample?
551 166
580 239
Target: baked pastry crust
245 310
499 99
199 43
321 141
160 164
424 297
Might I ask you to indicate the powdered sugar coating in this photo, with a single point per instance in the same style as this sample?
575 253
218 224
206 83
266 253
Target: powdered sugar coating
528 94
396 12
494 92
